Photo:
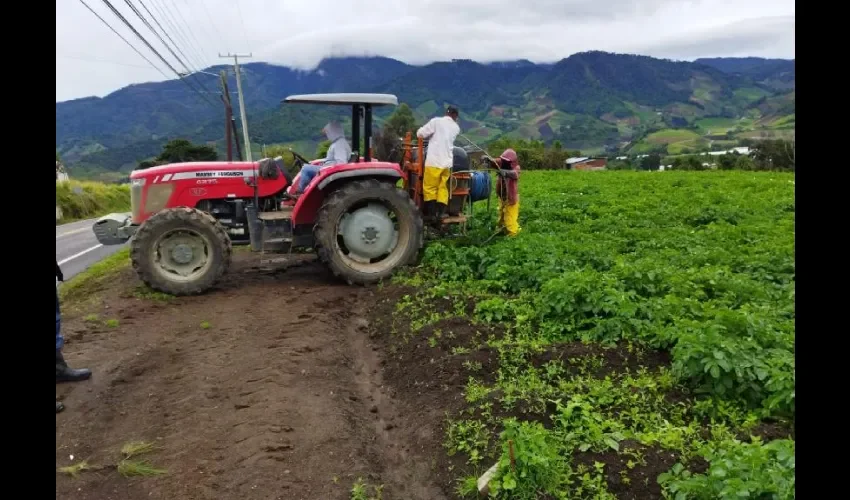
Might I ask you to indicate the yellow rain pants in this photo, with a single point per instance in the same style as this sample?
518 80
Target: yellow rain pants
435 184
509 217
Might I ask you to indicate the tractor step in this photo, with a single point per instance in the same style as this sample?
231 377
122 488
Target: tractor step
454 219
284 213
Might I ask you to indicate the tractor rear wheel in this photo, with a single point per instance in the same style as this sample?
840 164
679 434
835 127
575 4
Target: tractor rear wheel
367 229
181 251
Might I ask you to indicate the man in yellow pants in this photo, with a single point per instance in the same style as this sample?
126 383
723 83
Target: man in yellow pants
441 134
507 189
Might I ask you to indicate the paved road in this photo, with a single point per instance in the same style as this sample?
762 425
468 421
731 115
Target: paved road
77 248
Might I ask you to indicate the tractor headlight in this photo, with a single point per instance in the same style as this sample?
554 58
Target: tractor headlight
136 186
157 198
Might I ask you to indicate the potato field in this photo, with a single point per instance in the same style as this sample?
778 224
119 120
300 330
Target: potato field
635 341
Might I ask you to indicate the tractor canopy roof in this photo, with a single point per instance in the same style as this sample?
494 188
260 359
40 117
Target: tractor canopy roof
344 99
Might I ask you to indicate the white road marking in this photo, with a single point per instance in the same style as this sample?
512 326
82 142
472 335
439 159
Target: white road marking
79 254
75 231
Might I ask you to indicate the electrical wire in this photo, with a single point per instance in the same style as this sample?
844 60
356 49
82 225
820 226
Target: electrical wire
242 21
124 39
150 27
212 23
164 11
163 30
191 33
156 52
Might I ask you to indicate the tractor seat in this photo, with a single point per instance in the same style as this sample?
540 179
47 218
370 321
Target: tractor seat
269 169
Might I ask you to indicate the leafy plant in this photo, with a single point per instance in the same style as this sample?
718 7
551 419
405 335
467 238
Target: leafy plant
530 464
738 470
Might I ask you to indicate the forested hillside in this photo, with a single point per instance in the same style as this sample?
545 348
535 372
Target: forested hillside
592 101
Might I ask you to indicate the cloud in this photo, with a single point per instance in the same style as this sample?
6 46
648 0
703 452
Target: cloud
92 60
748 37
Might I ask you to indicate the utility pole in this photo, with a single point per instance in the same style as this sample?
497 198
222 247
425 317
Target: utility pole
242 113
232 131
228 115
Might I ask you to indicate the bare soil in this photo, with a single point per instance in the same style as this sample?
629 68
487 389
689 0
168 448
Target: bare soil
284 383
267 387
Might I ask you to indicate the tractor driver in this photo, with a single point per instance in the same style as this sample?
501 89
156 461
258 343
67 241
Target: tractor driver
441 134
339 153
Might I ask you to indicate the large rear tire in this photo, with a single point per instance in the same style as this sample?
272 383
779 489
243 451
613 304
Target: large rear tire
181 251
367 229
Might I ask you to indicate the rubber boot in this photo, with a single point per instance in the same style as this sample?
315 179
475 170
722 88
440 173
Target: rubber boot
66 374
442 211
428 209
59 407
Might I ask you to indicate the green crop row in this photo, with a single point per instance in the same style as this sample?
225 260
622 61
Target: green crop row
702 264
697 265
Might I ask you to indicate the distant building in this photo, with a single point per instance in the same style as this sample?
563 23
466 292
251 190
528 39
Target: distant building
740 150
586 163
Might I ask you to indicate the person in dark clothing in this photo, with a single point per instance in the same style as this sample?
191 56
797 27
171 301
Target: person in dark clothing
63 372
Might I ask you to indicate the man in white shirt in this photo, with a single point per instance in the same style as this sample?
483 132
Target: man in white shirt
441 134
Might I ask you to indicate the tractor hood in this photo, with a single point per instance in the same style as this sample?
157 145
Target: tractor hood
173 168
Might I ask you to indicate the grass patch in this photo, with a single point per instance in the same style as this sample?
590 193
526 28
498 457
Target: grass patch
205 325
138 468
676 141
87 281
83 200
148 293
136 448
74 470
721 125
127 467
363 491
669 136
111 323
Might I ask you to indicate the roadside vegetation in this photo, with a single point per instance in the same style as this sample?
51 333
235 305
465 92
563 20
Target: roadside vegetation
80 287
83 200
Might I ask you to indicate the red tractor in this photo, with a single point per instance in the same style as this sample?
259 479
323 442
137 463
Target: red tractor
186 216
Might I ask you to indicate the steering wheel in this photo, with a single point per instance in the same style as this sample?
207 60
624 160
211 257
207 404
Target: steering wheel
299 160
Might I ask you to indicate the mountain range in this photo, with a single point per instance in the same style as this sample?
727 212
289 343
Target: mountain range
592 101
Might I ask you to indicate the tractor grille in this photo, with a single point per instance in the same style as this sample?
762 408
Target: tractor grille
136 187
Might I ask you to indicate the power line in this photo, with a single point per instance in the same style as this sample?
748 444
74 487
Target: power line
151 28
209 17
124 39
148 24
152 49
164 11
242 21
163 30
191 33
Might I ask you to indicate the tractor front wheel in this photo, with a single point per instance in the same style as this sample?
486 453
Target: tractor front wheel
367 229
181 251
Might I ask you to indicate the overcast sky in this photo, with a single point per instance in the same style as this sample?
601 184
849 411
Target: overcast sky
92 60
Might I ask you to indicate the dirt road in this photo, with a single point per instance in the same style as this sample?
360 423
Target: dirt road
267 387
